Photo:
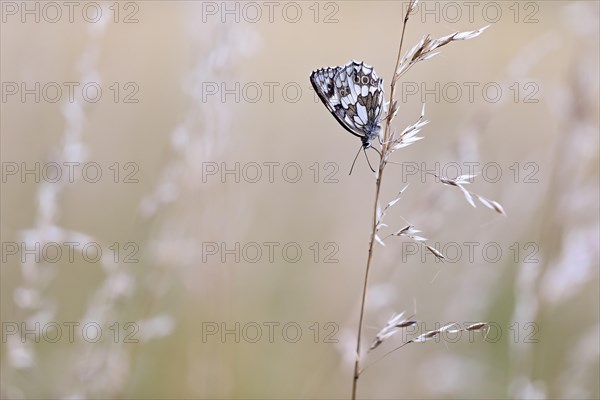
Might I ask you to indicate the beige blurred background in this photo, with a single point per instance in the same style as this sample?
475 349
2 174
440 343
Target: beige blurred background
159 315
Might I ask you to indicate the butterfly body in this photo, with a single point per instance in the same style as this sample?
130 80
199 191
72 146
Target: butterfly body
353 93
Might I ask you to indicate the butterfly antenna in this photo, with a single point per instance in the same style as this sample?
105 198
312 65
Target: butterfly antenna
368 162
353 162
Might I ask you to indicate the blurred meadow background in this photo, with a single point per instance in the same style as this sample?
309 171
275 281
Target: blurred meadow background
193 90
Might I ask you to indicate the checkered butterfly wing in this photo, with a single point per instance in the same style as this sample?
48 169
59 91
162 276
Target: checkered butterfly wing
354 95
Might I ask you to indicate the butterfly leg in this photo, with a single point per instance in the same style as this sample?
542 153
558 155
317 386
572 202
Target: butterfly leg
367 157
378 152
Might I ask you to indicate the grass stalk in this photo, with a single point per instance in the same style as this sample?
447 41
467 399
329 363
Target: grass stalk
382 163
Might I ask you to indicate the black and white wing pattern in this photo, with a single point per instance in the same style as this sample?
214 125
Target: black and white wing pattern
354 95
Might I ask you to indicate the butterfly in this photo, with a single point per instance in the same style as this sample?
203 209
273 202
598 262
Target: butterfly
353 93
